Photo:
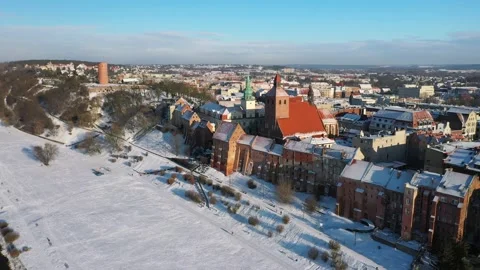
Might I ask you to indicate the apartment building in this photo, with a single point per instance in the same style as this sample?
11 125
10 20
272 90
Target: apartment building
368 191
385 147
413 91
392 118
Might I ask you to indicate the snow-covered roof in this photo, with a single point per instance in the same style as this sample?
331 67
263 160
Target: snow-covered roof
459 110
426 179
224 131
398 180
455 184
350 117
212 107
460 157
262 144
277 149
246 139
318 141
187 115
366 172
356 169
299 146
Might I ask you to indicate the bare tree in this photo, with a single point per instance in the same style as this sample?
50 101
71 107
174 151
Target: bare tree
46 154
285 192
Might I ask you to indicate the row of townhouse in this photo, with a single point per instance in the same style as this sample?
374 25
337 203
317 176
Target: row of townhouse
420 205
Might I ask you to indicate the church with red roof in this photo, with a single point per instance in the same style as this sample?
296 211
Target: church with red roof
290 117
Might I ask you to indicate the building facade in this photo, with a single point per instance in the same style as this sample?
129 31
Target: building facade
225 146
383 147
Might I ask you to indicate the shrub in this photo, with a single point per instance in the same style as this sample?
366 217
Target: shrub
174 175
337 262
270 234
285 192
311 204
228 191
213 200
251 184
189 178
170 181
113 160
178 169
6 230
162 172
209 182
232 209
238 196
90 145
46 153
216 187
280 228
286 219
254 221
202 179
247 202
11 237
210 193
334 245
325 256
14 252
313 253
3 224
193 195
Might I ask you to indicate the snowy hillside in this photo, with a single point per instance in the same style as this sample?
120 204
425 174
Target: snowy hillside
73 219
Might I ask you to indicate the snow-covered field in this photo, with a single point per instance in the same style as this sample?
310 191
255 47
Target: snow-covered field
121 220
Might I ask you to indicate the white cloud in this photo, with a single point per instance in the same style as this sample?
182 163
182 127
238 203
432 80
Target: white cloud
88 43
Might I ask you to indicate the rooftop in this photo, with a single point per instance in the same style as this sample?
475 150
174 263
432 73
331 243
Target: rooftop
426 179
455 184
224 131
303 120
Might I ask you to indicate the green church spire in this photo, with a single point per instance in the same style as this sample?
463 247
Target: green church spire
248 93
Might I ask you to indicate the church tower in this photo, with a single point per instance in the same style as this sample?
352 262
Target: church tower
248 101
277 104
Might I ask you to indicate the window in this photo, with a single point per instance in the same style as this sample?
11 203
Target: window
285 101
407 201
279 102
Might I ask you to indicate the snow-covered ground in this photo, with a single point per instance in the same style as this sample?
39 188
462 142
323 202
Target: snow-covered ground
164 144
122 220
63 134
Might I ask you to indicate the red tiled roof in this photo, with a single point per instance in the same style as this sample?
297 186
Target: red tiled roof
325 114
303 118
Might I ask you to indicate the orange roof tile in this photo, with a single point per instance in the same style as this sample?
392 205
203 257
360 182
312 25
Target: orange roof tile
325 114
303 119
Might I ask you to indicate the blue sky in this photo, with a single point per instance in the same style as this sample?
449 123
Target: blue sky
270 32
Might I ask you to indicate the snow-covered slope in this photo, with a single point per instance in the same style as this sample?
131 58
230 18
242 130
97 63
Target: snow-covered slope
121 220
114 221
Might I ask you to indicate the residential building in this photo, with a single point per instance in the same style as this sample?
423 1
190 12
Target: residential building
417 204
461 119
180 109
315 169
202 134
384 147
450 206
413 91
392 118
460 156
225 146
188 119
368 191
